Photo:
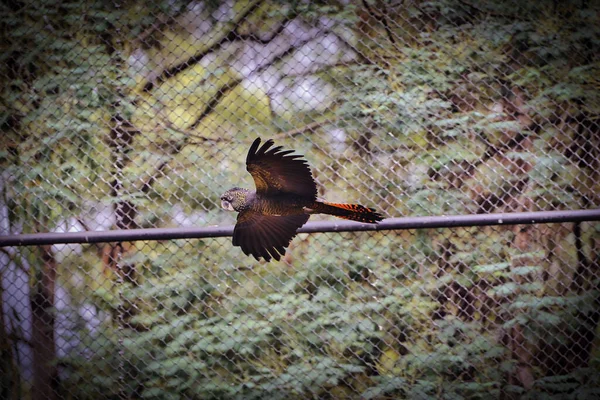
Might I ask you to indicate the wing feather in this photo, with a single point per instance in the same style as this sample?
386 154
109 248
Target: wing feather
266 236
275 171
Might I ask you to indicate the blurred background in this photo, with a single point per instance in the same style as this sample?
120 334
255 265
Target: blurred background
139 114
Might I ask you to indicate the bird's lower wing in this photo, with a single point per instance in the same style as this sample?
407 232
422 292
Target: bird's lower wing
266 236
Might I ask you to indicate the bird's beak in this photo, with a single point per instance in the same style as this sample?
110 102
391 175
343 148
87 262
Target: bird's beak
227 205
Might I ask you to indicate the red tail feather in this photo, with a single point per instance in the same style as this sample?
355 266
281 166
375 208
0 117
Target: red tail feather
354 212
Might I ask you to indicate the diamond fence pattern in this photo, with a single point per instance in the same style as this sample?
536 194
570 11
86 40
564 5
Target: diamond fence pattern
139 114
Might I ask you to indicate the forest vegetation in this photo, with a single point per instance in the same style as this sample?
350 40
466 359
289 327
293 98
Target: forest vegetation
138 114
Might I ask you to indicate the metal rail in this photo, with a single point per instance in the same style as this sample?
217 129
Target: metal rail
131 235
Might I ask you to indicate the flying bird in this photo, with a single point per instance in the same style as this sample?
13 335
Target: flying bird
285 197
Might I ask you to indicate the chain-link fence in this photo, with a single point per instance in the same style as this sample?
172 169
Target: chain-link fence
134 115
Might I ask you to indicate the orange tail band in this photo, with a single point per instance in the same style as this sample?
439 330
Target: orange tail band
354 212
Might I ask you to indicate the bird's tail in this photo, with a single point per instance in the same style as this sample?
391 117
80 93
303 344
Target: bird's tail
354 212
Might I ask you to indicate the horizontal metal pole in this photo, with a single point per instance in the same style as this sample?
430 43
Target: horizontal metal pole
131 235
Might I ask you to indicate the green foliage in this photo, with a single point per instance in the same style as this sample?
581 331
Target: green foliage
203 332
473 108
442 98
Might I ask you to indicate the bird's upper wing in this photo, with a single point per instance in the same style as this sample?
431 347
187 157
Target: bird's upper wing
266 236
275 171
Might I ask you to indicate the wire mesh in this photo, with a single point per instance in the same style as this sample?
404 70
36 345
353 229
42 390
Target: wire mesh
137 115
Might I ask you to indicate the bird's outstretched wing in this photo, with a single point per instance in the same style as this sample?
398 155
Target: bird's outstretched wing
275 171
265 236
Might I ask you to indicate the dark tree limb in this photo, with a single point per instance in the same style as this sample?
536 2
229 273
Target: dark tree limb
45 374
381 18
190 62
228 87
209 108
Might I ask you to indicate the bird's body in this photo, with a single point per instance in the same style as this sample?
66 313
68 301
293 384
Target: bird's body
285 197
275 205
280 204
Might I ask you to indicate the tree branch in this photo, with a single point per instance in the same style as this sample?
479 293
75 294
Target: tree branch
190 62
382 19
211 106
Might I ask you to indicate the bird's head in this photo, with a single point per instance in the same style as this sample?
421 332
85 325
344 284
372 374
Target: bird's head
235 199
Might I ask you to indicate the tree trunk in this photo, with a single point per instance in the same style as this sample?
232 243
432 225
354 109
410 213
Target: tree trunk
45 377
